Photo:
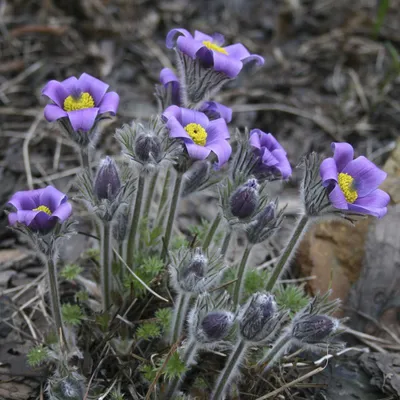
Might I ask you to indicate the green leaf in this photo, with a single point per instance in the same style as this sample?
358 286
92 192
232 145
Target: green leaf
291 297
381 14
149 372
175 367
37 355
164 316
148 330
72 314
71 271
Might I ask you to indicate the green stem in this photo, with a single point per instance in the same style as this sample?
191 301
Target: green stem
121 264
150 194
106 265
179 316
211 231
225 377
289 250
171 215
225 243
163 199
85 159
135 221
55 298
278 347
241 276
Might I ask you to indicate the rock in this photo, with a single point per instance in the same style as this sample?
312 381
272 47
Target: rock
6 311
13 258
5 276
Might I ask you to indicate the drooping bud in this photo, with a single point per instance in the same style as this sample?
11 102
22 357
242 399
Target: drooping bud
258 317
215 326
69 388
196 177
148 148
194 271
314 328
245 199
107 183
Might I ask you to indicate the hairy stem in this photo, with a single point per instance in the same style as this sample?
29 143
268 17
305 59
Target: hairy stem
227 373
150 193
211 231
163 199
55 297
106 265
225 243
278 348
288 251
135 221
85 159
241 276
181 309
171 215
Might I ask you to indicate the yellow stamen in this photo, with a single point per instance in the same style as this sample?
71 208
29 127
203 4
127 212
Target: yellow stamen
346 183
215 47
44 209
197 133
85 100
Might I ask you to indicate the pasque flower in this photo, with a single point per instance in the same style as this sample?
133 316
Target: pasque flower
39 209
272 156
80 100
200 135
352 184
211 52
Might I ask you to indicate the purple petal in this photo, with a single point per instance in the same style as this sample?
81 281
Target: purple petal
172 112
200 36
109 103
366 174
83 119
176 129
42 222
328 171
95 87
216 131
222 149
343 153
217 109
172 36
26 200
167 76
52 198
255 138
63 212
337 198
218 39
191 116
70 84
254 58
269 141
56 92
237 51
283 163
53 112
189 46
226 64
197 152
23 216
374 204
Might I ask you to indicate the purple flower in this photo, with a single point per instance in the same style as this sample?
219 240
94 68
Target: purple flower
210 51
212 109
39 209
81 100
272 155
200 135
353 184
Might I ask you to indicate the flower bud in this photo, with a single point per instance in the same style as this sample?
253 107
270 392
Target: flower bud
107 183
148 148
314 328
68 388
215 326
257 319
198 175
193 272
244 200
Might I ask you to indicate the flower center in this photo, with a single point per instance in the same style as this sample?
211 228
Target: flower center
215 47
44 209
84 100
197 133
346 183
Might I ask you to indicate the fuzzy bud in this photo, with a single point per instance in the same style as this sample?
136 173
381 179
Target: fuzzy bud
68 388
107 183
215 326
148 148
257 319
244 200
314 328
193 272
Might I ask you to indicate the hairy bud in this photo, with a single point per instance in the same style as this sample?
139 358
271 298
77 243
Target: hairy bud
68 388
245 199
215 326
107 183
148 148
314 328
194 272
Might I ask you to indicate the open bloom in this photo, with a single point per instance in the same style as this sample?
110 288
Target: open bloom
272 155
212 109
39 209
200 135
211 52
81 100
353 184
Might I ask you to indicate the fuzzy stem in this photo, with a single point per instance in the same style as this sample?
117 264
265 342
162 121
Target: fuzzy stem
181 309
225 243
211 231
272 355
121 264
135 221
289 250
106 265
174 386
150 193
85 159
225 376
163 199
55 297
171 215
241 276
